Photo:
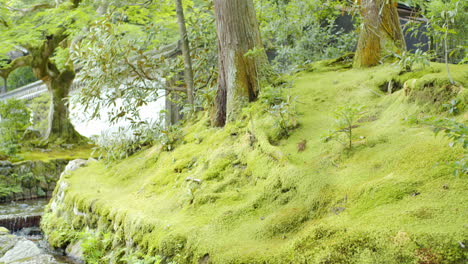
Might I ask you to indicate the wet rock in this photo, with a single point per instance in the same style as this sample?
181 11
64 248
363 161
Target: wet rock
39 259
4 231
58 199
23 250
7 242
75 251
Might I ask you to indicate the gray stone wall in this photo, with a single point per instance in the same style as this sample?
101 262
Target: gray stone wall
29 179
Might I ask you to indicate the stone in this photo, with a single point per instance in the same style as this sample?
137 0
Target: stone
7 242
39 259
74 165
75 251
5 167
5 163
23 250
4 231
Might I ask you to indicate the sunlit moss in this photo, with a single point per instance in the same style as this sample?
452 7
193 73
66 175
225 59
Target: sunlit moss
381 202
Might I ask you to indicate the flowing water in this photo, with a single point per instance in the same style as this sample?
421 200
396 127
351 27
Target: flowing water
23 218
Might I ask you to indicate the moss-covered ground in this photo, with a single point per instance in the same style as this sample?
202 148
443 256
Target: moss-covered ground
75 152
391 199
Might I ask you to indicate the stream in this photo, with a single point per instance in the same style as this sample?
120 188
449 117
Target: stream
22 219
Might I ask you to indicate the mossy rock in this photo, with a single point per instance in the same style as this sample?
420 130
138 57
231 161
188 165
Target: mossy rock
4 231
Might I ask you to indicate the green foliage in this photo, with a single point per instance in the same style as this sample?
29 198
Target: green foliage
447 27
29 29
20 77
136 66
408 59
285 116
60 233
300 32
95 246
345 121
458 134
14 120
452 107
120 144
138 258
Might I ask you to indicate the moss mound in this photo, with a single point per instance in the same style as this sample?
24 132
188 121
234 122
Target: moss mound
230 196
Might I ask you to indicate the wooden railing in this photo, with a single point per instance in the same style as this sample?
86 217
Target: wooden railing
26 92
32 90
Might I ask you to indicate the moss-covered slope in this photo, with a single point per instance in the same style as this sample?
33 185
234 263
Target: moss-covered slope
392 199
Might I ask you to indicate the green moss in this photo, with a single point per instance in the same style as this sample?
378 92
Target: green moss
58 230
83 151
382 202
435 89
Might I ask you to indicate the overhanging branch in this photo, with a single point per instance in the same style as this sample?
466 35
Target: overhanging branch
15 64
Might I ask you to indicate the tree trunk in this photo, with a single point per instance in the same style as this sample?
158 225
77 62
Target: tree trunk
381 29
188 70
60 126
238 82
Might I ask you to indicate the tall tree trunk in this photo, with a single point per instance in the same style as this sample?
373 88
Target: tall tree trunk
188 70
381 28
238 33
60 126
58 83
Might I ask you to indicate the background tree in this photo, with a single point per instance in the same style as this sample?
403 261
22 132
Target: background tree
46 52
380 29
239 72
188 71
132 56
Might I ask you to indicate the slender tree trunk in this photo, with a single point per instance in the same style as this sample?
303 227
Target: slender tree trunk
60 126
381 29
238 82
188 70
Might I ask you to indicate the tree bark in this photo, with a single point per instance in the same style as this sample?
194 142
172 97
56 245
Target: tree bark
188 70
381 28
238 81
58 84
60 126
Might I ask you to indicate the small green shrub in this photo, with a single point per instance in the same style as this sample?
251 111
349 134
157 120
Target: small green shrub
285 117
408 60
14 120
345 121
